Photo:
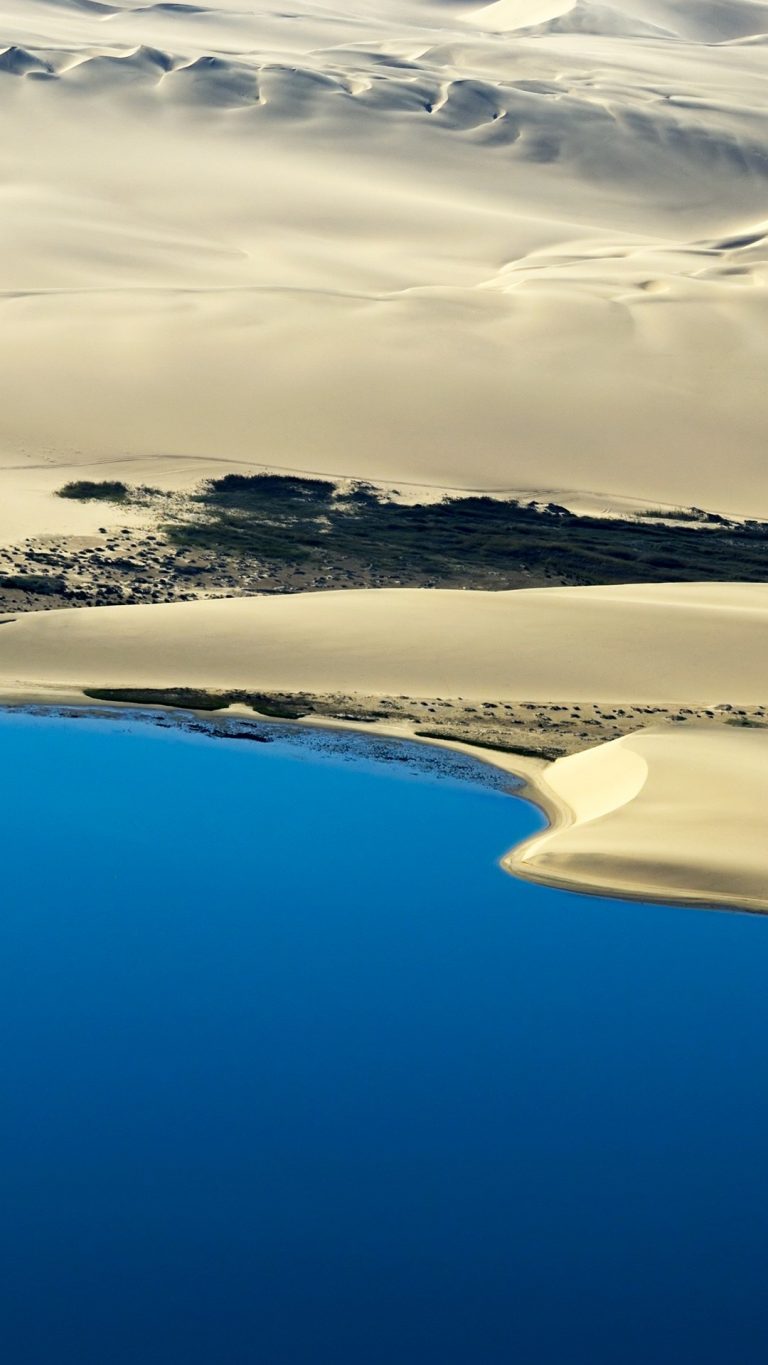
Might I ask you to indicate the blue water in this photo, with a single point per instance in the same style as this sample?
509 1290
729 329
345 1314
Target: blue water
292 1073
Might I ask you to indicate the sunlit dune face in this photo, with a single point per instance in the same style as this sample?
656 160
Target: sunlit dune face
521 244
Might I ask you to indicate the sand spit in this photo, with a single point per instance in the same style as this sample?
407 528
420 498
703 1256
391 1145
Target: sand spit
679 816
674 813
423 241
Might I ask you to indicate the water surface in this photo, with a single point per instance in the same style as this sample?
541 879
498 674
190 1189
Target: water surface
293 1073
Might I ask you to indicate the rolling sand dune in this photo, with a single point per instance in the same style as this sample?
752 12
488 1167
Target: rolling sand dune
518 245
676 813
467 245
667 643
677 816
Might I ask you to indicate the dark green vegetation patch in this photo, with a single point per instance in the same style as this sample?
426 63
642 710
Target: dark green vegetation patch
196 699
83 490
44 585
477 541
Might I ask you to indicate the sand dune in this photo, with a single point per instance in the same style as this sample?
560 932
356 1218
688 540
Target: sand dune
518 245
677 816
667 643
678 813
379 242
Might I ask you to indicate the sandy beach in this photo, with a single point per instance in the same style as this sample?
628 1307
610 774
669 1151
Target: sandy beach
677 817
674 812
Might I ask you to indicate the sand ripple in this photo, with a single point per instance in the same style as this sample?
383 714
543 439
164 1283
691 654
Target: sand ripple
520 244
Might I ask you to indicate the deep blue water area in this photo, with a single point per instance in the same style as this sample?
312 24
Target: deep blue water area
291 1073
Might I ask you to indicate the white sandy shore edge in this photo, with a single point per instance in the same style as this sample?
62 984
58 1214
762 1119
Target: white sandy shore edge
668 814
663 815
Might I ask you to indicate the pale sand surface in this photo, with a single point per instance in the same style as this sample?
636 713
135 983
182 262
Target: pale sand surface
674 815
666 643
515 246
520 245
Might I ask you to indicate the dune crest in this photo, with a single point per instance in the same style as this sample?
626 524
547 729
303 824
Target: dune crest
450 244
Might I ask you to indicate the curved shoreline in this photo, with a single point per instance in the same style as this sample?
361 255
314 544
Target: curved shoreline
706 851
563 817
535 786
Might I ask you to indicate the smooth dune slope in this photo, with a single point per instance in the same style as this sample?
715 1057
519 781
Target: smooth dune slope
680 815
677 813
505 246
671 643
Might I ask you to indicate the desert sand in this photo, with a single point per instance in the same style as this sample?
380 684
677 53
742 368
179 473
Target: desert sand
519 245
668 643
674 816
510 246
678 813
